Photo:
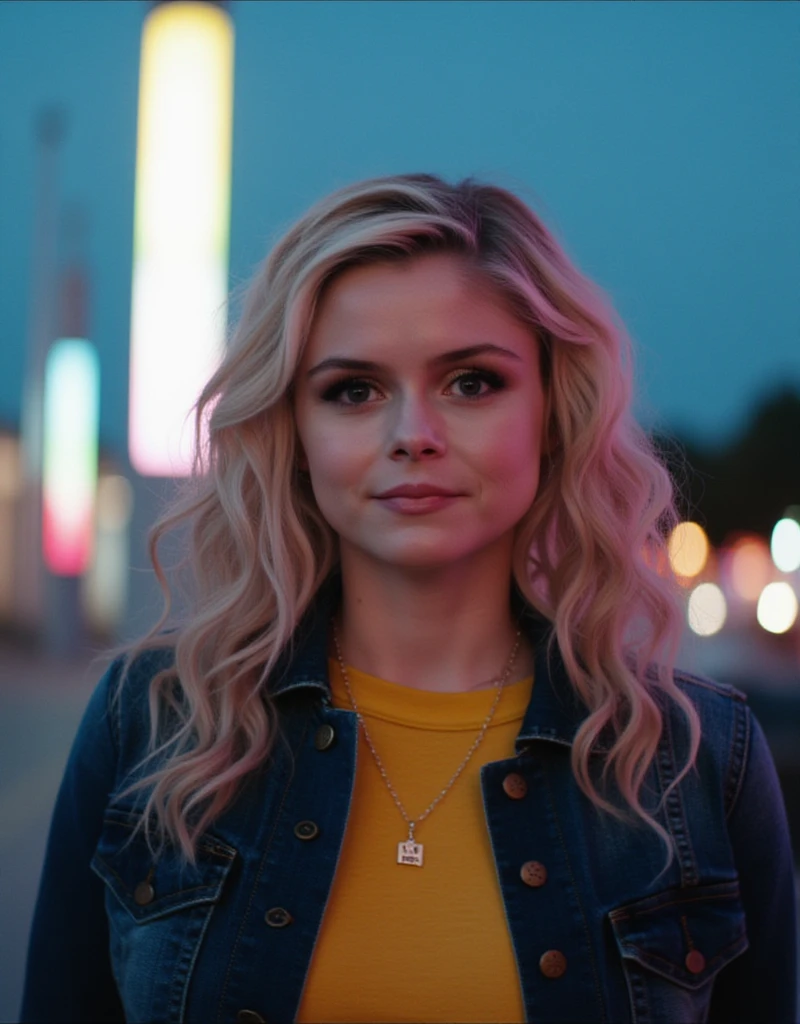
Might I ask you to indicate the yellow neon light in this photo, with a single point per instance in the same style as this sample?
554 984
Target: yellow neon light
181 227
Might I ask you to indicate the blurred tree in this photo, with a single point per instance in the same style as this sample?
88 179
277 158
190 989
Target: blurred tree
748 484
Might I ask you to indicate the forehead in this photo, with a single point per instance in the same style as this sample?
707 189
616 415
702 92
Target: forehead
425 300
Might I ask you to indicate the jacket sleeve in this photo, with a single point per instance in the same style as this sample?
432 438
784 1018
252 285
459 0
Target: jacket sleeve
761 984
68 974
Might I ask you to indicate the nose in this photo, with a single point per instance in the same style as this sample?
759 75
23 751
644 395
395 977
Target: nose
416 431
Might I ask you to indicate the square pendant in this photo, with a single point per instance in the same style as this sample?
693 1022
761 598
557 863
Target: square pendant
409 852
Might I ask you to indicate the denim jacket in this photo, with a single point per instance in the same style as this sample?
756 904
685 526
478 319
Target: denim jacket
118 937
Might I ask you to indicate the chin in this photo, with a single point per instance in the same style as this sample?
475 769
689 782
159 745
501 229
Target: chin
433 553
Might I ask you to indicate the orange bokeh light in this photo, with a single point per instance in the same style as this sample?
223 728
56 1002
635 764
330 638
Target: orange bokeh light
750 567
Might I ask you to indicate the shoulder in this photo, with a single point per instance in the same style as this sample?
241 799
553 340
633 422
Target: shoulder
702 689
720 707
123 697
128 677
135 673
708 696
726 731
718 704
113 735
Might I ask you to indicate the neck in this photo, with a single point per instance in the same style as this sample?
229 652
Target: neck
448 632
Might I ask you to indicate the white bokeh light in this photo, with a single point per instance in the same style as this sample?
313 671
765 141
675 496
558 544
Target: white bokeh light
707 609
777 608
785 545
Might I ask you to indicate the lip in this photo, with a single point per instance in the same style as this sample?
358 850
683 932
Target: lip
418 506
417 491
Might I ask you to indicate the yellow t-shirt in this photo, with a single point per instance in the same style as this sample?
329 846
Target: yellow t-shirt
430 943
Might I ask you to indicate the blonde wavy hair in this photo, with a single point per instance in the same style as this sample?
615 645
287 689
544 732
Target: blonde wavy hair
588 555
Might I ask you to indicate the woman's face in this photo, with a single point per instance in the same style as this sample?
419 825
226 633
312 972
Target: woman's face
471 424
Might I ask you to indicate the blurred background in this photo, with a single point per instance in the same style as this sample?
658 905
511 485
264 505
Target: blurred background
150 155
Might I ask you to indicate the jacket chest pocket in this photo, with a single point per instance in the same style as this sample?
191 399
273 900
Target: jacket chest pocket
674 944
158 911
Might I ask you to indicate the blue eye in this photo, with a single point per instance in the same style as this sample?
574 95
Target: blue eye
361 385
494 380
349 384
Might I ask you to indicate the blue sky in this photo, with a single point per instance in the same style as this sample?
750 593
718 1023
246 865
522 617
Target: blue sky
659 140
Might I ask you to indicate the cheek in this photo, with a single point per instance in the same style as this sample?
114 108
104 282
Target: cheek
336 458
512 452
327 449
339 466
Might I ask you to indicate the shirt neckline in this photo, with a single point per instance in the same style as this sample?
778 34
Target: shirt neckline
428 709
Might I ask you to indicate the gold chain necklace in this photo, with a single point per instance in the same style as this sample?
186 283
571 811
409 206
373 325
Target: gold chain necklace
409 851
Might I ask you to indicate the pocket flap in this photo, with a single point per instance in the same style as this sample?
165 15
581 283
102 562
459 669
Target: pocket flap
149 888
686 935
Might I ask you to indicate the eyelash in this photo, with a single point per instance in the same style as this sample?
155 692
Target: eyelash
494 380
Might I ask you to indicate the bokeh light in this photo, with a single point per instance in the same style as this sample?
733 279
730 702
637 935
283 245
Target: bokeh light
688 549
181 227
71 416
114 502
105 586
10 490
785 545
750 567
707 609
777 607
10 468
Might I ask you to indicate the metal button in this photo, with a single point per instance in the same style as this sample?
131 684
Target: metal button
144 893
324 737
249 1017
515 786
306 830
533 873
553 963
695 962
277 917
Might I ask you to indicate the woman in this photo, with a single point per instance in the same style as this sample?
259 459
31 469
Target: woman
418 751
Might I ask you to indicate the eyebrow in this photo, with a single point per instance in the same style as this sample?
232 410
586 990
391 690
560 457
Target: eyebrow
367 366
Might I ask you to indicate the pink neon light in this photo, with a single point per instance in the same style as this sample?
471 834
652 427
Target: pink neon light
67 542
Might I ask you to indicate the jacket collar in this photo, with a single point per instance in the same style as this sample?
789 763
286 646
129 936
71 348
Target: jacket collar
554 713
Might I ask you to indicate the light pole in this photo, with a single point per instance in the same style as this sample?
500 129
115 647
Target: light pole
28 568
